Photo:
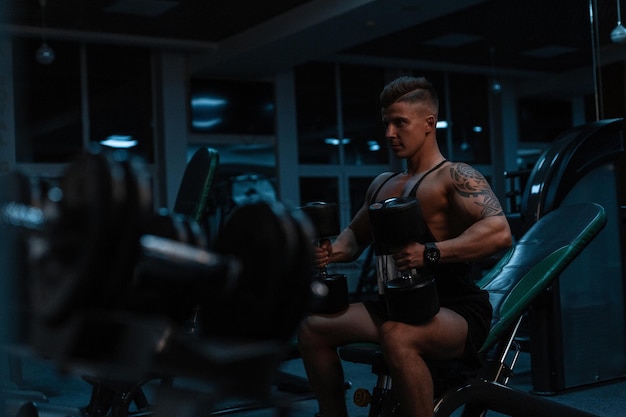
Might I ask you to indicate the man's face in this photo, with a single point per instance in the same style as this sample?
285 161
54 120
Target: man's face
406 126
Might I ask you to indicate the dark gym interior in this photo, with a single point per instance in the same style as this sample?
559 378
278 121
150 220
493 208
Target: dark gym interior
166 164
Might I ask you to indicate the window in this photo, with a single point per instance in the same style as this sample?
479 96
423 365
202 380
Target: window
542 120
48 118
363 132
236 118
339 127
232 107
120 96
49 107
324 189
358 188
316 104
469 107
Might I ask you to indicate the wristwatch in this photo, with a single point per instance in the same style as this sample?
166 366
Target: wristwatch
431 253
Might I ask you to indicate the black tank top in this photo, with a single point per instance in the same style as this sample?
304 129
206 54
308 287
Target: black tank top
457 289
460 278
428 237
417 184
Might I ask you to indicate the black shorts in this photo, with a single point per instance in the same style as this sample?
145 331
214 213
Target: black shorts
474 308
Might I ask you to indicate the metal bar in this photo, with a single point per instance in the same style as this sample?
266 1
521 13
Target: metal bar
500 398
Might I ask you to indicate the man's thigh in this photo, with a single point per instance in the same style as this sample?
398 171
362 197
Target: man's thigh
353 325
443 337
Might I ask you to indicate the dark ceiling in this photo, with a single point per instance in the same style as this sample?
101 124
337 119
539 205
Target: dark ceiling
517 37
203 21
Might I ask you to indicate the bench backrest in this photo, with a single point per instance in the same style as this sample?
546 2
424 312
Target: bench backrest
538 258
194 192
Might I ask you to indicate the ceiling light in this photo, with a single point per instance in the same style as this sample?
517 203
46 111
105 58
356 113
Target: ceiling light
206 124
618 34
373 145
207 101
119 142
495 86
336 142
44 54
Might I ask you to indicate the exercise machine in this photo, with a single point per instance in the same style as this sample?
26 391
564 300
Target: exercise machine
525 271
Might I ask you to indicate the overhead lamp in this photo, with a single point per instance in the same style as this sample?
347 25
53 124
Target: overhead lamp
618 34
44 54
336 142
119 142
373 145
495 86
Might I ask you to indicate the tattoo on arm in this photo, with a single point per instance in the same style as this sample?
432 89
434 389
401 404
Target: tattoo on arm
470 183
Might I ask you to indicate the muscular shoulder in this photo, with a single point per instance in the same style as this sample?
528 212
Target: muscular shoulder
377 183
382 177
465 183
464 177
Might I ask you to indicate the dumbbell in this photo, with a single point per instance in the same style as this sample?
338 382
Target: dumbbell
411 296
272 244
329 292
81 234
14 187
93 247
258 287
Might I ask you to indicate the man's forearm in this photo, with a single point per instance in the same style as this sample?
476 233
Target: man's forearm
345 247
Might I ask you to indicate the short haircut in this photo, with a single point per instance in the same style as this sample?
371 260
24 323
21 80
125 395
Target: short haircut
411 90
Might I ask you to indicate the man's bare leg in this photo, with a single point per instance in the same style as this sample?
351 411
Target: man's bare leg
326 378
404 348
318 339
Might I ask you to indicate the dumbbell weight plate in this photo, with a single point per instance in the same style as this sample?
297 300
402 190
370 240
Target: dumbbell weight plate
170 287
324 217
14 188
71 261
298 289
133 212
166 224
270 299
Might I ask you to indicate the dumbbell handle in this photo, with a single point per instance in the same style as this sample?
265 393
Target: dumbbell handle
189 260
322 271
176 252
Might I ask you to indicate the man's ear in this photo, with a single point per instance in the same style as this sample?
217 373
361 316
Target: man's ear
431 122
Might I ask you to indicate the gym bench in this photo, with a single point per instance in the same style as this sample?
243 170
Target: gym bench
526 270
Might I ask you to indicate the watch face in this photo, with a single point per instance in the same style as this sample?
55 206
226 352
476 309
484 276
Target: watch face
432 254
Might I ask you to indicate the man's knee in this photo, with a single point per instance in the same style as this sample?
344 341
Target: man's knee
398 344
392 338
308 333
304 331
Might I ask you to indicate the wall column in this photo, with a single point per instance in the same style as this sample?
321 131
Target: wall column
171 138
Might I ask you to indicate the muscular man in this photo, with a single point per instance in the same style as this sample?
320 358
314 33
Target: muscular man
465 222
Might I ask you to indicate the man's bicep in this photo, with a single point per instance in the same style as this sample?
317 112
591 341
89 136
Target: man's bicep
360 226
472 192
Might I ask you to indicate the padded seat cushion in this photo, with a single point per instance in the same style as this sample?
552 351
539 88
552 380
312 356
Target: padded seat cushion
360 352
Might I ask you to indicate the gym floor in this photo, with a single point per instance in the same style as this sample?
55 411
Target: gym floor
54 391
